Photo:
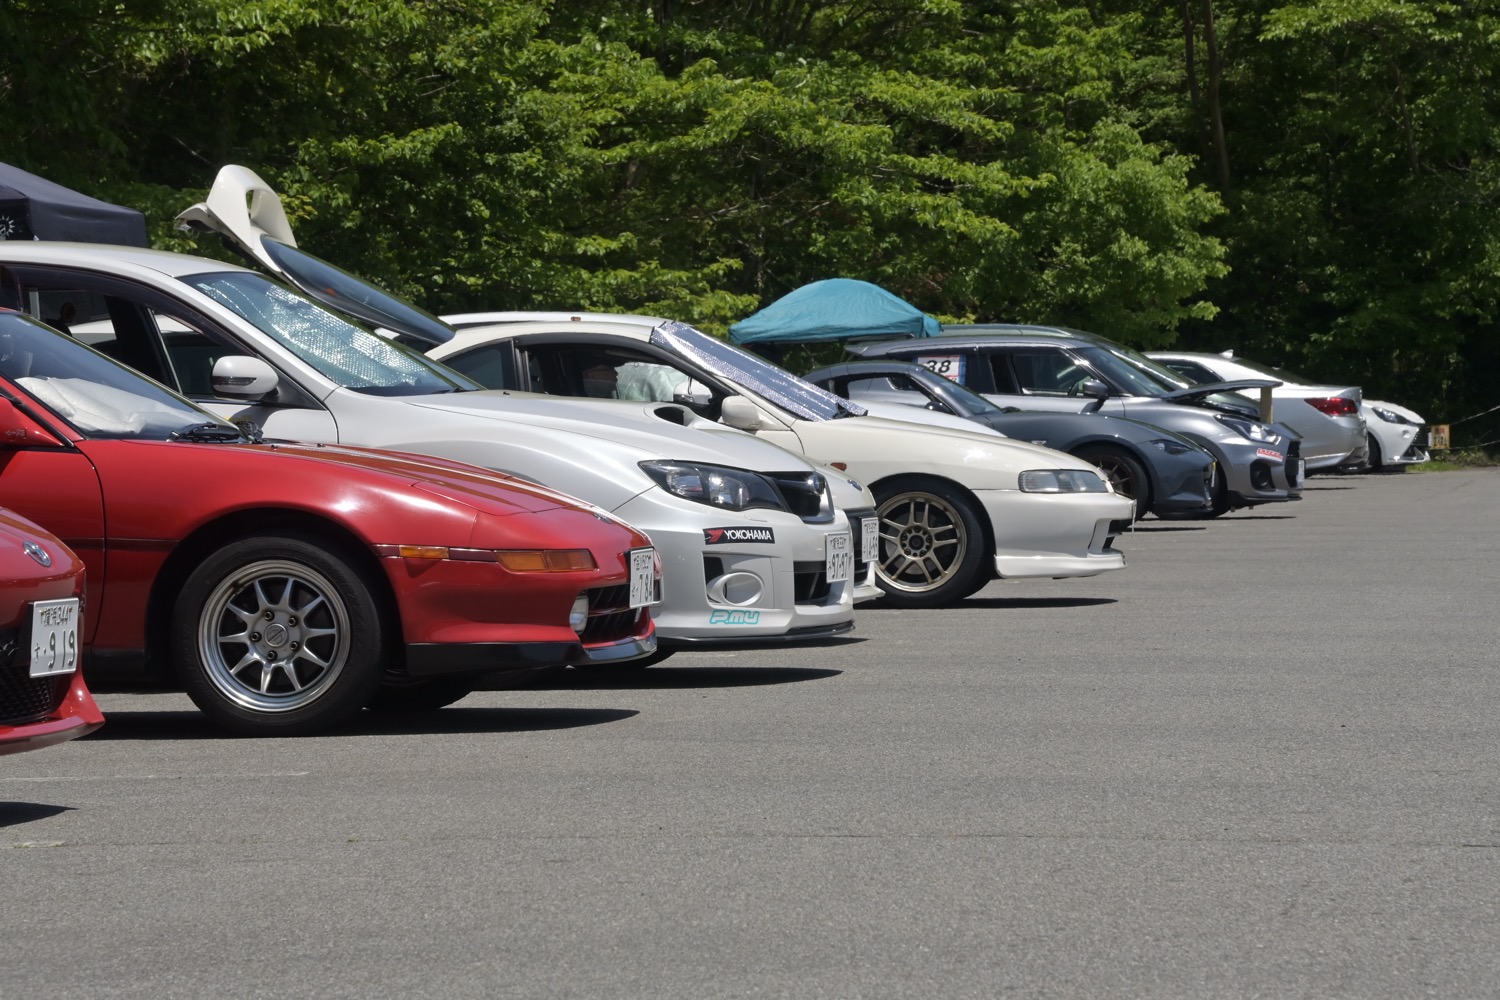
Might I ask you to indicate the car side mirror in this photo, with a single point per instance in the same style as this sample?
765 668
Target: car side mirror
740 413
17 430
243 377
1096 390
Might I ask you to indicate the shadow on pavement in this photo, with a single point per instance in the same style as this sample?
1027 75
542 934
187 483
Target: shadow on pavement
15 813
672 678
1148 528
1036 602
454 719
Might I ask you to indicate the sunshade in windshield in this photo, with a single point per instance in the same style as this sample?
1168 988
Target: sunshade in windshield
781 387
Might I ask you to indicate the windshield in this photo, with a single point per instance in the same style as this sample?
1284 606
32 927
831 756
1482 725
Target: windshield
347 354
92 394
976 404
776 385
1132 372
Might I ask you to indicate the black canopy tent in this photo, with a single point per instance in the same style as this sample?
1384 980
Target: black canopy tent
32 207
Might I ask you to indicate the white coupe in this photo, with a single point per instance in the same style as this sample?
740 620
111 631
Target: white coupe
957 507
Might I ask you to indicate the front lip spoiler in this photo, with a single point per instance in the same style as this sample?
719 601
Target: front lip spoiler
433 659
811 633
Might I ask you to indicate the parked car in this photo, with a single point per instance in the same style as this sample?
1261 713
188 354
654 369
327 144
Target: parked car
1397 436
287 586
755 545
1055 369
43 697
1164 473
957 507
1328 418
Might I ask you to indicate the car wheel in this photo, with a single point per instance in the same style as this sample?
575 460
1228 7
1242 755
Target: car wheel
932 549
1374 460
420 694
277 636
1124 472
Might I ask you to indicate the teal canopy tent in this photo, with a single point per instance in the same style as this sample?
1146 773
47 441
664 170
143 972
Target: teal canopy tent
835 309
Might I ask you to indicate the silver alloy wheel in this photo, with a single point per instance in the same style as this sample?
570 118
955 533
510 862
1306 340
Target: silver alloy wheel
922 541
273 636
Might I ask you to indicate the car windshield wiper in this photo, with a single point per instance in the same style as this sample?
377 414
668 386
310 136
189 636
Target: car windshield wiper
210 431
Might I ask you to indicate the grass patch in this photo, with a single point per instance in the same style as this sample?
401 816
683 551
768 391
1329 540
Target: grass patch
1457 458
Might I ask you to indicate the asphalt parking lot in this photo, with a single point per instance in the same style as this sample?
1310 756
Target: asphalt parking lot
1263 761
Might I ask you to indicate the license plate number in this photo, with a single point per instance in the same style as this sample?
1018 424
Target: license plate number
54 637
869 539
642 577
840 558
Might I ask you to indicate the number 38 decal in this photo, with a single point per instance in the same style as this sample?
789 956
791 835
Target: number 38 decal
947 365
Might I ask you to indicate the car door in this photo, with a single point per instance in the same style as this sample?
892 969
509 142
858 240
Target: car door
171 341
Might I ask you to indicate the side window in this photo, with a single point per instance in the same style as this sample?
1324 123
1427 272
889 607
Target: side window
886 389
490 365
1046 373
1192 371
117 327
1005 379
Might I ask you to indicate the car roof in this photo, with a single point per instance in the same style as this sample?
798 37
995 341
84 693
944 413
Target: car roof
173 265
565 324
968 335
873 366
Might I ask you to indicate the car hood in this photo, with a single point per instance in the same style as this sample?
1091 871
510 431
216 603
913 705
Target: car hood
647 430
490 492
247 212
920 415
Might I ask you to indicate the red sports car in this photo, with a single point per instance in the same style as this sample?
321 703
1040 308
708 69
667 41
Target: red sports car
43 699
287 586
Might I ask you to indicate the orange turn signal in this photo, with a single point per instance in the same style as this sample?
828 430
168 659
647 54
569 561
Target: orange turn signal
546 560
423 551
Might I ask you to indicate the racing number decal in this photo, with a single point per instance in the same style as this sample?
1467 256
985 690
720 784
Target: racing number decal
950 366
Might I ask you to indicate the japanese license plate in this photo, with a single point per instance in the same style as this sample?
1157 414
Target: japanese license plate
869 539
840 558
54 637
642 577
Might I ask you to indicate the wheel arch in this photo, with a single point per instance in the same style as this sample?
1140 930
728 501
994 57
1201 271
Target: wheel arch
984 517
209 537
1119 445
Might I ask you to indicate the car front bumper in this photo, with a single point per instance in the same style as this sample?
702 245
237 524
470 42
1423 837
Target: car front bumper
1055 534
717 586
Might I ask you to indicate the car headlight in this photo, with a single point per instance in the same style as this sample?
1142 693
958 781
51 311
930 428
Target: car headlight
1062 481
1173 447
717 485
1251 429
1390 416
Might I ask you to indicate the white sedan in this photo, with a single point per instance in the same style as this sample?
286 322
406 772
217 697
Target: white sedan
957 506
1329 418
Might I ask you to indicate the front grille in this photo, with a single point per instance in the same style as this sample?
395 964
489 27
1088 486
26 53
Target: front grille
803 493
810 582
24 698
611 618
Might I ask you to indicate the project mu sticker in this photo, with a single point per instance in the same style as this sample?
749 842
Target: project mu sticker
725 536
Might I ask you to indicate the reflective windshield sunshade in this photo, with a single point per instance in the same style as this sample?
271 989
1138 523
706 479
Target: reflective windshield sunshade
781 387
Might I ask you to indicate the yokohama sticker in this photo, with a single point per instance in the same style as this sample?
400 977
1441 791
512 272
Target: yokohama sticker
726 536
1274 456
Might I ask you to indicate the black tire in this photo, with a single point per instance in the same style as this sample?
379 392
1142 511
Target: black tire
420 695
932 543
1374 461
1125 472
315 661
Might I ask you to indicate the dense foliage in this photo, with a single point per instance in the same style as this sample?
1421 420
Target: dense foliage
1308 182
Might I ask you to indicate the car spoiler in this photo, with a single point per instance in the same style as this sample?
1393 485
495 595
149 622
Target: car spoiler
1193 392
